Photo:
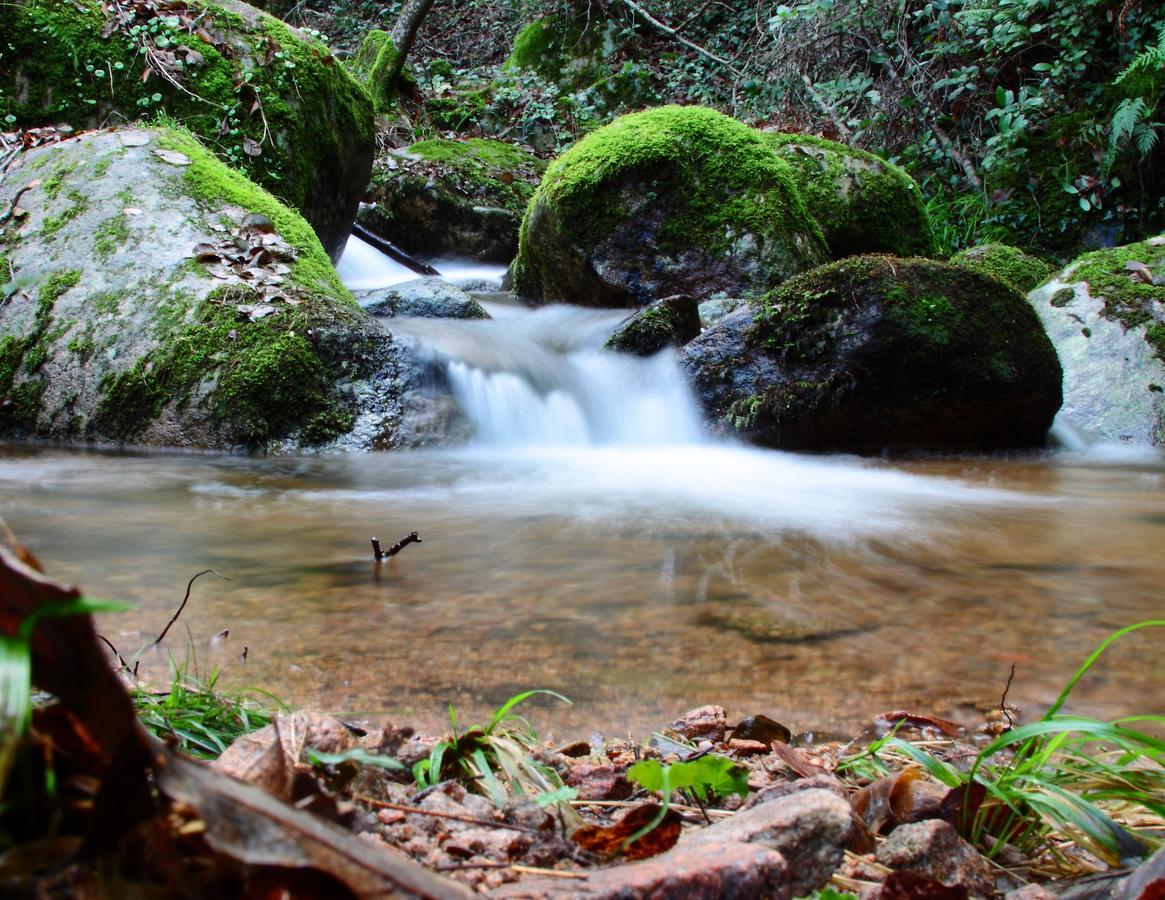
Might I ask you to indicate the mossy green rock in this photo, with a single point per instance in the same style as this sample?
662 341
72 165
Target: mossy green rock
453 197
670 322
269 100
863 203
159 297
1010 265
1105 313
876 352
674 200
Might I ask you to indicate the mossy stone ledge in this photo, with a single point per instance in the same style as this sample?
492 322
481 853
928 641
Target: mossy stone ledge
266 98
672 200
166 335
876 352
1010 265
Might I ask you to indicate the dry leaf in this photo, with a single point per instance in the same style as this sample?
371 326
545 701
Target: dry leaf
173 157
612 840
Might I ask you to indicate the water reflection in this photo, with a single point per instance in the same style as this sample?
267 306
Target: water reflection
637 581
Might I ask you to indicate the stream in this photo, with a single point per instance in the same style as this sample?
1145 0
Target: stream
594 541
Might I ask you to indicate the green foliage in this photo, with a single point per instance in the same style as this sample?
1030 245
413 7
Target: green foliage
1007 264
197 714
1062 777
357 755
494 759
707 777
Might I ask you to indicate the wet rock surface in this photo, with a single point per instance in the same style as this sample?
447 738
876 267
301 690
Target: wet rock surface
670 322
875 352
426 298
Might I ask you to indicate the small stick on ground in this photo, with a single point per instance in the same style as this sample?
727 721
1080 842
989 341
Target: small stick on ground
1003 698
14 205
468 820
189 585
120 658
411 538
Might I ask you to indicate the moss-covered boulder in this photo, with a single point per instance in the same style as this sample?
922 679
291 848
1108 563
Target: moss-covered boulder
674 200
373 64
1105 313
269 100
452 197
154 295
874 352
670 322
863 203
1010 265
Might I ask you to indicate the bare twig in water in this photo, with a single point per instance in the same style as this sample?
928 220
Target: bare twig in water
411 538
189 585
1003 698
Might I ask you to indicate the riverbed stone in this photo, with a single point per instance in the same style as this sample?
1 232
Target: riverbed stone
876 352
269 99
425 298
672 200
156 296
703 723
705 872
1105 314
934 848
670 322
452 197
809 828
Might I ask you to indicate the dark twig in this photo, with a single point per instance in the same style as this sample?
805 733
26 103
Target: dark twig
412 810
189 585
392 251
120 658
14 205
1003 698
411 538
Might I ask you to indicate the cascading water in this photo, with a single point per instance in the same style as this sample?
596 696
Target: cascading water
540 378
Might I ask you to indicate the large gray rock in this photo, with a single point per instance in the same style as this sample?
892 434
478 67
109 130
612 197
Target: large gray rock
873 352
422 298
1106 318
156 296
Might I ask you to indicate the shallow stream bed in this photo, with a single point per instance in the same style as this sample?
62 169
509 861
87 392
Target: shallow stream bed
637 580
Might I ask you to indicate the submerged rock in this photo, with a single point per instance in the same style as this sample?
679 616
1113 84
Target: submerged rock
1010 265
673 200
270 100
863 203
874 352
670 322
464 198
1105 314
423 298
156 296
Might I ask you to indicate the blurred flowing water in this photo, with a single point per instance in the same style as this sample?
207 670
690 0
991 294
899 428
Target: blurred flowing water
593 541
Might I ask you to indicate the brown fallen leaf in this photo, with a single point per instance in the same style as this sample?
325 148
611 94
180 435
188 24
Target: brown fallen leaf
886 721
612 840
899 798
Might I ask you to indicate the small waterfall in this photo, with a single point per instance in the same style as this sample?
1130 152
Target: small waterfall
540 378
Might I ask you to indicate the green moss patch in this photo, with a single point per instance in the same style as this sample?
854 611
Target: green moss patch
1127 299
709 180
863 203
1008 264
373 65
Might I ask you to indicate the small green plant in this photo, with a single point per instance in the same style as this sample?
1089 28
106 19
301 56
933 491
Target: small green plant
701 779
203 718
494 759
1062 777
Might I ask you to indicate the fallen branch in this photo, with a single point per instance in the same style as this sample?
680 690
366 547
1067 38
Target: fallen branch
411 538
676 36
392 251
437 814
12 207
189 585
